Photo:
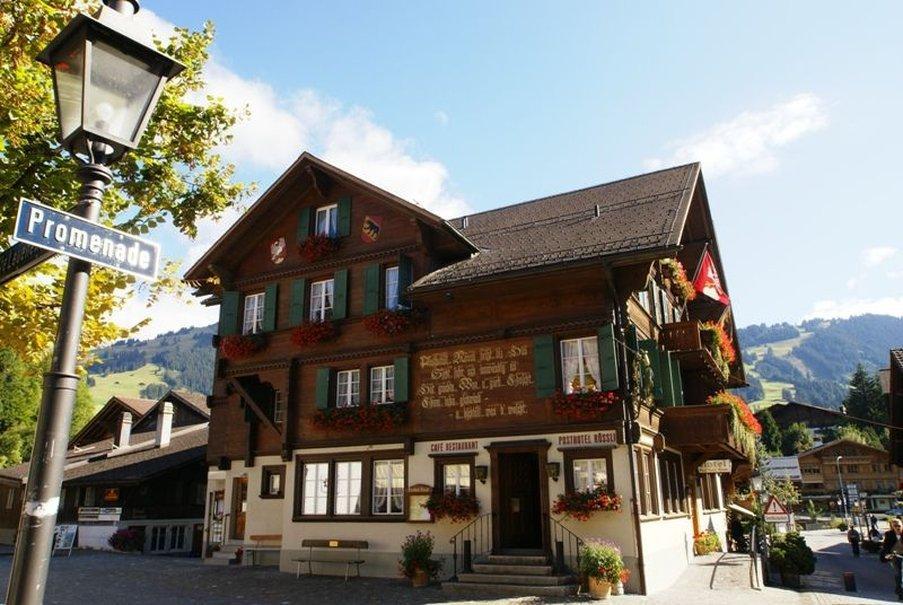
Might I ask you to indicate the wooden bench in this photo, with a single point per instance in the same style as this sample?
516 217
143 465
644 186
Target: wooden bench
310 545
263 543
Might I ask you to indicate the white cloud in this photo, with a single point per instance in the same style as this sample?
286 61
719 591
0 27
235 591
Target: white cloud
876 255
747 144
829 309
441 117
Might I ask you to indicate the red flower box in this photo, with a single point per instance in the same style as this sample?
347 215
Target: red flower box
388 323
317 246
745 414
584 405
581 505
312 332
681 286
457 507
239 346
368 418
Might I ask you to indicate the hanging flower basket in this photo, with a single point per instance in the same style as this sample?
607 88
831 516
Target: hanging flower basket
386 322
312 332
239 346
744 424
317 246
584 405
457 507
581 505
680 285
369 418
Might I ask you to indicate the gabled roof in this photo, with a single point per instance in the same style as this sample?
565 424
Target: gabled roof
643 213
193 409
97 427
831 444
245 226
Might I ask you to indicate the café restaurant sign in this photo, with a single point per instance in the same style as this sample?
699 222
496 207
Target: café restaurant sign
607 438
57 231
454 447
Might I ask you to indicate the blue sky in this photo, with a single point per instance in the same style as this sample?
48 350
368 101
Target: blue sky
792 108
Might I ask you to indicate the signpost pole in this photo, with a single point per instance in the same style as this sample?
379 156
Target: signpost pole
45 474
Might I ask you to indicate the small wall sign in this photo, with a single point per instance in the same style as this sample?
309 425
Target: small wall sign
715 466
277 251
454 447
607 438
371 229
417 497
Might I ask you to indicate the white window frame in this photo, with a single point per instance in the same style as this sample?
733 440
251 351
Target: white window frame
584 364
278 407
274 480
382 384
593 465
252 319
321 293
315 488
348 388
392 288
329 227
393 484
456 477
348 482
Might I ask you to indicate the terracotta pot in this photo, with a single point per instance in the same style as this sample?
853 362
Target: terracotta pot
599 589
420 578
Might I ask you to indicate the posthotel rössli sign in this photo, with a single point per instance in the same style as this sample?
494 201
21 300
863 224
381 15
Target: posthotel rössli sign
65 233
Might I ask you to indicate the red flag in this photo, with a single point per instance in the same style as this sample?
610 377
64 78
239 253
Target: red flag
707 281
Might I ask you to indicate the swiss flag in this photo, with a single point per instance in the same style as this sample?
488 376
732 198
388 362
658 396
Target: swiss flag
707 281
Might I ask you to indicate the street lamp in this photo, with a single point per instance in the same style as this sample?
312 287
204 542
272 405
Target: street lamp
106 84
843 494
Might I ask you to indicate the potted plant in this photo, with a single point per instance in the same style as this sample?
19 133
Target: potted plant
416 559
457 507
706 542
127 540
601 564
792 557
618 588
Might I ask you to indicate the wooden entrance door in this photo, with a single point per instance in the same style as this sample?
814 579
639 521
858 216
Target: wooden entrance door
520 506
239 506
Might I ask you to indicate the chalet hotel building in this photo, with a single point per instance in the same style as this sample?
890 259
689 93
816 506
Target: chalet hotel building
371 354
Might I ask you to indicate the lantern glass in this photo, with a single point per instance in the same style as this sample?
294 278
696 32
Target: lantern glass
121 89
68 73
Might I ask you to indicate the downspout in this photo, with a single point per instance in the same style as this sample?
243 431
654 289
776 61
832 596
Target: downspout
620 313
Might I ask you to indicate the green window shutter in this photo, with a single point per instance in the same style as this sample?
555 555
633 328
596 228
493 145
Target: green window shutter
608 358
677 382
324 378
652 351
296 313
405 277
340 294
343 224
304 223
667 379
632 338
544 365
270 301
371 289
402 380
228 313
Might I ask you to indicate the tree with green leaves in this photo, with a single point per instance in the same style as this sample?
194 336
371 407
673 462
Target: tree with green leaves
771 432
796 439
176 175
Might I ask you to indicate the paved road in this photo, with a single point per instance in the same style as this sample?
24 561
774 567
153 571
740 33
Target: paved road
874 580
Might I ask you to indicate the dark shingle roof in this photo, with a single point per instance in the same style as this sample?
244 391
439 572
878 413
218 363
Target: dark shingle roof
641 213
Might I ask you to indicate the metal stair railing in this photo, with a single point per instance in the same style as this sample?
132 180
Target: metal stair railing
475 538
567 546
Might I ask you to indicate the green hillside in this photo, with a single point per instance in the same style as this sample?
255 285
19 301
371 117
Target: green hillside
125 384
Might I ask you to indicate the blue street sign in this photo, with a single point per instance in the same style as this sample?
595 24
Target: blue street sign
65 233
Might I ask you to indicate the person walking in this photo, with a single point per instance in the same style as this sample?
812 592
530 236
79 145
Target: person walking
854 538
892 551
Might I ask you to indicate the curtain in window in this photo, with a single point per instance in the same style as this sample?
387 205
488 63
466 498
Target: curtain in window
380 487
592 377
570 365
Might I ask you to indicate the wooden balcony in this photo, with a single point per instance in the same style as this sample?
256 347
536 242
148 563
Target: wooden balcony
684 340
701 429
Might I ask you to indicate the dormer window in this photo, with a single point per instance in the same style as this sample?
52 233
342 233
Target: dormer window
327 220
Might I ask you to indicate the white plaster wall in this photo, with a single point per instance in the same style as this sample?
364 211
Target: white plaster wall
667 550
264 514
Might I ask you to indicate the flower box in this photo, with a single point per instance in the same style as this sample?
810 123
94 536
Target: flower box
239 346
457 507
317 246
677 281
312 332
584 405
386 322
368 418
581 505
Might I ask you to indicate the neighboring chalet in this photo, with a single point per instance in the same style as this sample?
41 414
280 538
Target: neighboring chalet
813 416
861 465
894 391
136 464
371 353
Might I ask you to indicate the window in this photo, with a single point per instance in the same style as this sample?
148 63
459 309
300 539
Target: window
326 220
388 487
392 288
316 488
158 538
278 407
643 298
253 317
382 384
657 303
707 486
348 389
648 491
177 537
348 488
580 365
272 481
456 478
321 300
590 474
671 477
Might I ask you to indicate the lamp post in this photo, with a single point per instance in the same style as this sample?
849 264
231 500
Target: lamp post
843 493
106 83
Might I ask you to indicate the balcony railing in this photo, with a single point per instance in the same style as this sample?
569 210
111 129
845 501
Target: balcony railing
684 340
702 429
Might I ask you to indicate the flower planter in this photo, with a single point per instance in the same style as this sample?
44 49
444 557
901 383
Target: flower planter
599 589
313 332
581 505
368 418
317 246
589 405
420 578
456 507
791 580
388 323
240 346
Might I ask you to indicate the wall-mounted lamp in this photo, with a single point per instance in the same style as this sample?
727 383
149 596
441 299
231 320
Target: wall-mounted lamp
553 470
481 472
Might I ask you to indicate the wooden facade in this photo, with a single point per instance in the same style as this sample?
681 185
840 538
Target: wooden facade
476 373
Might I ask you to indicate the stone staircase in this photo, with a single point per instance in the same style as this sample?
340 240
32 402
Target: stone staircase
513 575
224 556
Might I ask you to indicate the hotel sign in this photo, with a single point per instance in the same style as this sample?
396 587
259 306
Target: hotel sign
64 233
715 466
607 438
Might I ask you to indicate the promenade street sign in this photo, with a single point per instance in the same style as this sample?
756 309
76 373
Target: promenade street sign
19 258
776 512
65 233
